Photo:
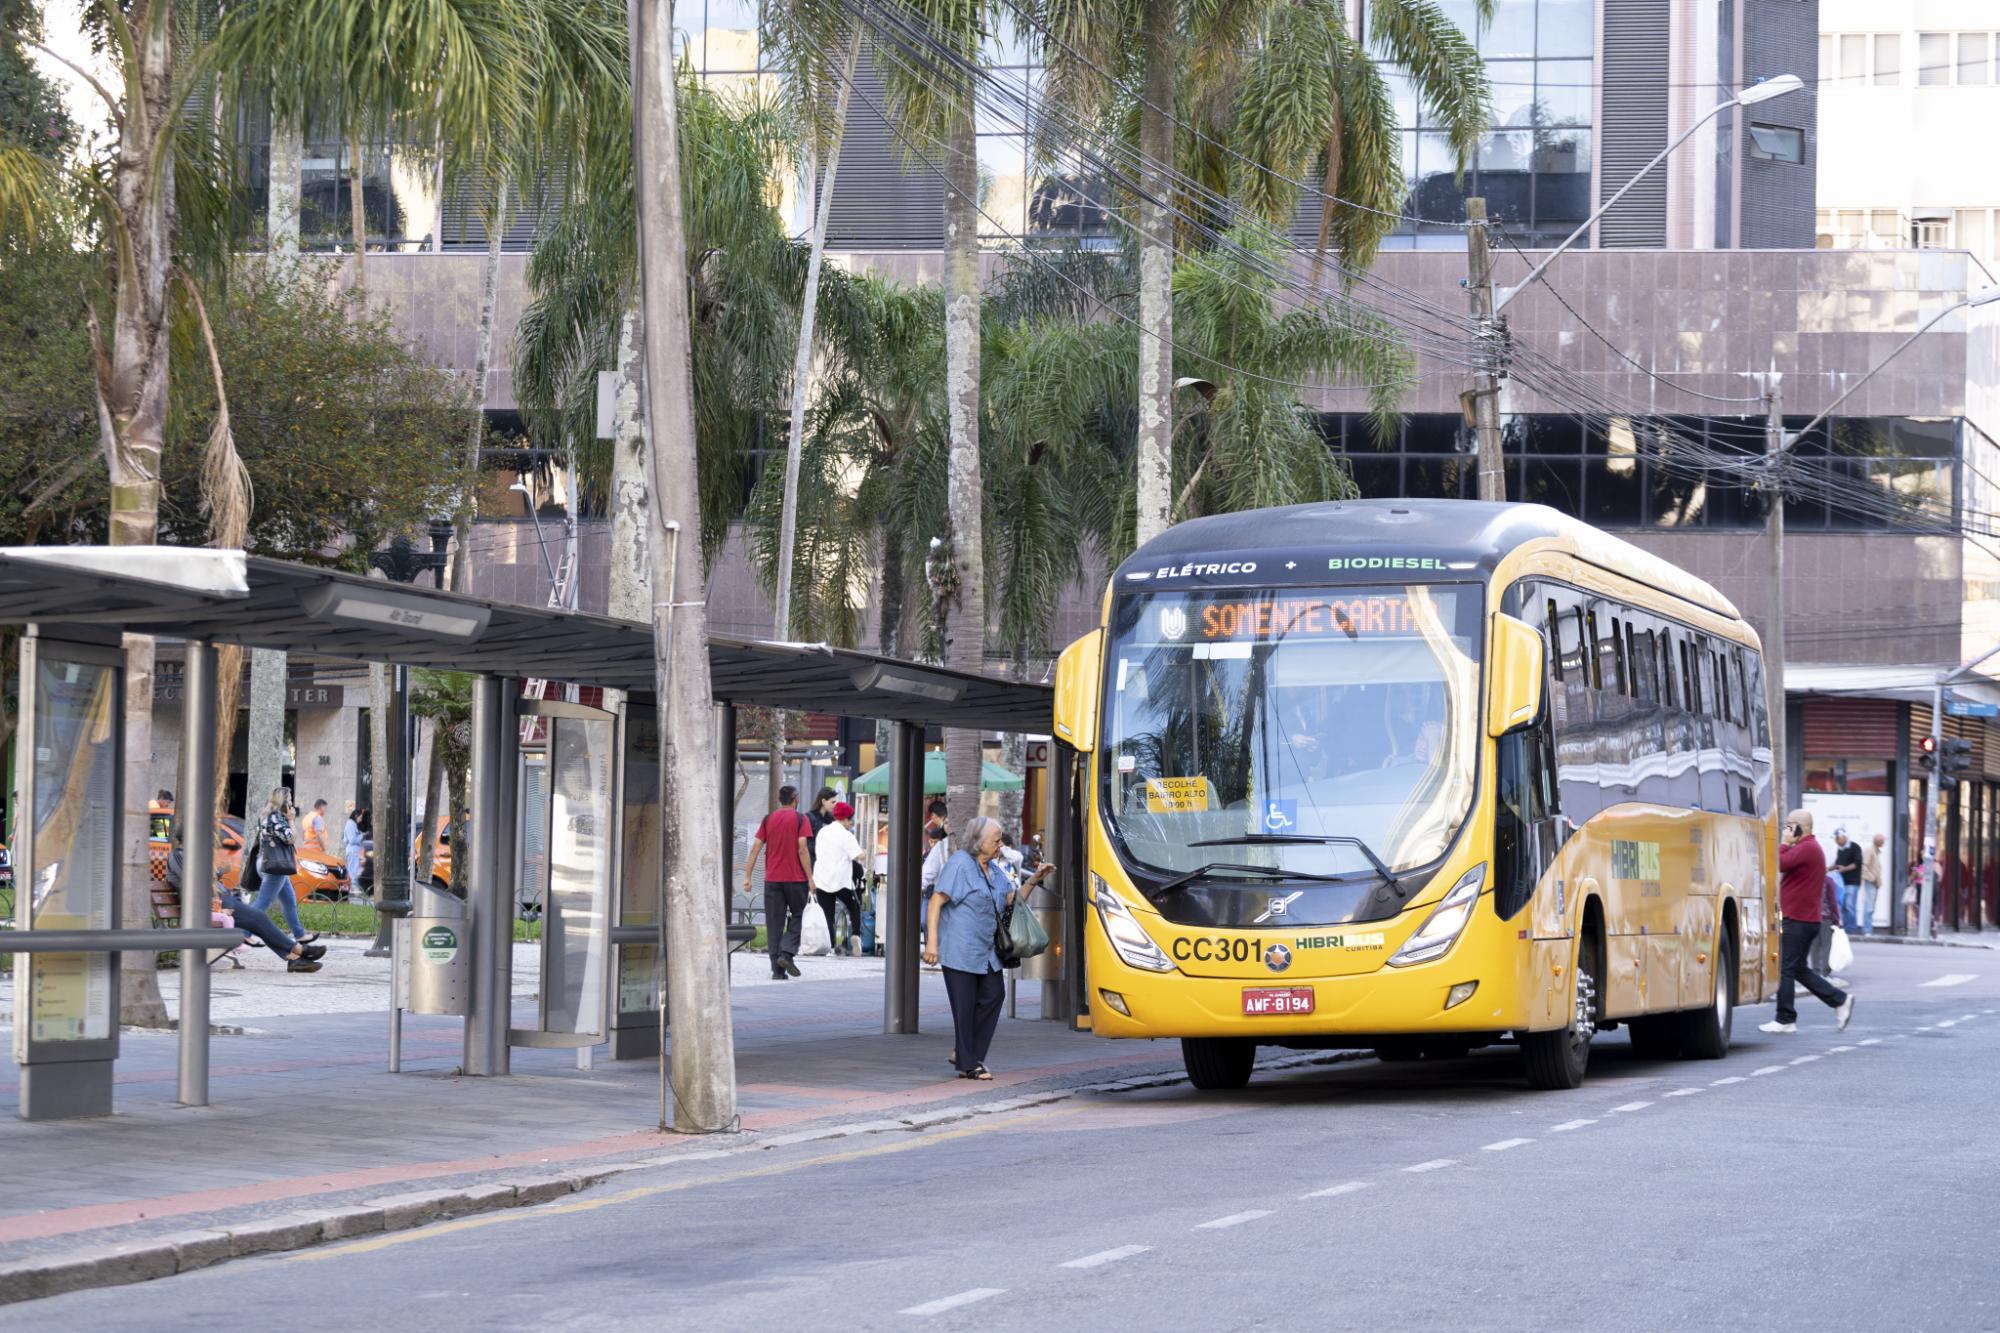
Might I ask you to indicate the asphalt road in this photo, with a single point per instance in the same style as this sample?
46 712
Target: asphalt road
1823 1180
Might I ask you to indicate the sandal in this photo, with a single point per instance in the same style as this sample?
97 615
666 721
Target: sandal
977 1073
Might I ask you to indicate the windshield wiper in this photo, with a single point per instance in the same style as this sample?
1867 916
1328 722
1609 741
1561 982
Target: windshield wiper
1271 872
1322 839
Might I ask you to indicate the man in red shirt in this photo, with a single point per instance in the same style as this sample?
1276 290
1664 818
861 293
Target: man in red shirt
784 835
1801 884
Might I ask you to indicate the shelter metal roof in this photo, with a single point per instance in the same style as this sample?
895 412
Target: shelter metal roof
226 596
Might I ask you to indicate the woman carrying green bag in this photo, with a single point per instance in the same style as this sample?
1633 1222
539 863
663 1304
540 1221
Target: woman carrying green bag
965 912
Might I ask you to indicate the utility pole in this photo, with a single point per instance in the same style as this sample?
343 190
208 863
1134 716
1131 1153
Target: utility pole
1774 590
1486 380
697 954
1927 894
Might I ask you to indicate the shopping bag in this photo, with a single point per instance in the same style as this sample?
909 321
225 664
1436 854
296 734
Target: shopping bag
813 938
1024 933
1840 956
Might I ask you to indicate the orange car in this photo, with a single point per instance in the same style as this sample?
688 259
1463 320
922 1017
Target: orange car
318 875
440 854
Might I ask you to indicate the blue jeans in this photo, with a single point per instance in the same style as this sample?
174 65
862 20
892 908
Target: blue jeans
1847 917
278 888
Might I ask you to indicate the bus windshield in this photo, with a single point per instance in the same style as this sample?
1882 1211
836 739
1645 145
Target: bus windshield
1306 713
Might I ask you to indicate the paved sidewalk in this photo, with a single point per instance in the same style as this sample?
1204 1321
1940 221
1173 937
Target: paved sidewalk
305 1115
1950 939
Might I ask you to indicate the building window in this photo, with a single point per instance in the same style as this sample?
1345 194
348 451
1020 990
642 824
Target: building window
1931 233
1888 59
1974 60
1777 143
1933 59
1857 58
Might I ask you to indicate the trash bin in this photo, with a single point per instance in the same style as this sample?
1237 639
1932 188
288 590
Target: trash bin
435 946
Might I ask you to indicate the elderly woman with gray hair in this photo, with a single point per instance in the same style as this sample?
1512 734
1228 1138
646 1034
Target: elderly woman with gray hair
965 910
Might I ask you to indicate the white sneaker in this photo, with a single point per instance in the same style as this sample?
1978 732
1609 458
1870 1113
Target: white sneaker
1775 1026
1844 1013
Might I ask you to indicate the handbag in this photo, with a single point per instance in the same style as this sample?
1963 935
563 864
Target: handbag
275 857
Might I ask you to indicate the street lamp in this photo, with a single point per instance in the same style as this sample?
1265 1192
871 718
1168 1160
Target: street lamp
1487 305
1779 444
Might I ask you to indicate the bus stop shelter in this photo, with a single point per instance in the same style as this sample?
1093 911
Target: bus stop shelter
73 604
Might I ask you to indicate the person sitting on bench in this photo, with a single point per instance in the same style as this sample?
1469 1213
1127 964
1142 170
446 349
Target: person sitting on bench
298 957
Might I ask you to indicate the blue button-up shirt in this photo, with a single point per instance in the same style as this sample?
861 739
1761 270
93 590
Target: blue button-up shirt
973 903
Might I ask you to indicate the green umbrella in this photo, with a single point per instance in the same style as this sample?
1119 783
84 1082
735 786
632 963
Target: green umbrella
992 777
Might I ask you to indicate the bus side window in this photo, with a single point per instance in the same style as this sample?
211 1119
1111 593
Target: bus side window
1554 623
1593 670
1668 695
1689 699
1641 687
1618 658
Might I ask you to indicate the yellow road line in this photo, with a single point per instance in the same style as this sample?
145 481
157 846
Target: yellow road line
922 1140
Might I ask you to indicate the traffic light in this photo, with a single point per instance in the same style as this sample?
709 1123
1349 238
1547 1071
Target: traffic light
1955 759
1927 753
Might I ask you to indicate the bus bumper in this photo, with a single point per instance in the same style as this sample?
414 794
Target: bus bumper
1522 985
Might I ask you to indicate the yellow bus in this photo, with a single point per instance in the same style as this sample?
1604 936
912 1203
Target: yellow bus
1420 776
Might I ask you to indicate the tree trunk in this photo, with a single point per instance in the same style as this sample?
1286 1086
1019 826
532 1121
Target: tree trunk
281 212
475 434
965 601
265 766
434 797
697 968
228 703
357 205
631 510
1155 452
788 518
131 383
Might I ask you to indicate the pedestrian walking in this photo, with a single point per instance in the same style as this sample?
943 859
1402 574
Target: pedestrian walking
965 910
836 852
784 838
1801 898
821 813
1820 956
1911 889
312 830
353 842
276 859
299 957
1872 866
1847 862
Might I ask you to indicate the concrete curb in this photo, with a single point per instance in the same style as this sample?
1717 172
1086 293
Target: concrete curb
1922 944
182 1252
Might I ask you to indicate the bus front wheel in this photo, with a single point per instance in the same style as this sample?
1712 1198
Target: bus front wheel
1557 1060
1218 1064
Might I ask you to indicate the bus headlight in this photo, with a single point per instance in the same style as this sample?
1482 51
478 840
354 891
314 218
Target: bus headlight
1127 936
1446 922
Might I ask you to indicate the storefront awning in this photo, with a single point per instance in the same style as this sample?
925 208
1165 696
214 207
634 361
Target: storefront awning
1911 684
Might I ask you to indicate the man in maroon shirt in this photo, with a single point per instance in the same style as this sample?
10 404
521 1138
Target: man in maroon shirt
782 837
1801 884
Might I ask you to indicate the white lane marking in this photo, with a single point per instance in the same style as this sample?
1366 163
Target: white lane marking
943 1303
1504 1145
1568 1125
1925 1028
1630 1106
1952 979
1805 1059
1725 1082
1836 1050
1345 1187
1435 1164
1685 1092
1948 1023
1871 1041
1103 1257
1967 1018
1767 1069
1233 1220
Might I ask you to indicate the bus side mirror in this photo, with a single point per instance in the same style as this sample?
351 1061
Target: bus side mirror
1514 676
1079 674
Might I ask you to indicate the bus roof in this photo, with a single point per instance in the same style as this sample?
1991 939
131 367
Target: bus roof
1344 541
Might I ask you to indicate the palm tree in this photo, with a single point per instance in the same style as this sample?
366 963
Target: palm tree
159 201
1272 92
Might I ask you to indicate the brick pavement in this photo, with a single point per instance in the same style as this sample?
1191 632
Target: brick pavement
304 1110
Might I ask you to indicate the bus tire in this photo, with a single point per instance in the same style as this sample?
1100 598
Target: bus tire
1656 1036
1705 1031
1557 1060
1218 1064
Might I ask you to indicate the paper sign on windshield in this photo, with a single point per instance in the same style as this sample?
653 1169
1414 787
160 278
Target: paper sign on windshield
1176 796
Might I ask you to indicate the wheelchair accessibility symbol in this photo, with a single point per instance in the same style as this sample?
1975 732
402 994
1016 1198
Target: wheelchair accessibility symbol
1281 816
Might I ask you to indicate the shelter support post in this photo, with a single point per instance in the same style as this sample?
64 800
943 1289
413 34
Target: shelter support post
488 891
725 790
197 825
906 861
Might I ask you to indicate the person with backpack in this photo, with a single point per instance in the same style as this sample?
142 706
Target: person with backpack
784 839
